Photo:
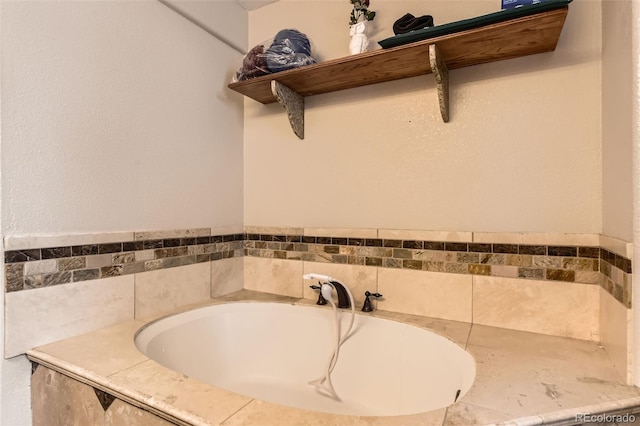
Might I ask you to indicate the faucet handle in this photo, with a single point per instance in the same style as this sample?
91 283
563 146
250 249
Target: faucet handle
367 302
321 299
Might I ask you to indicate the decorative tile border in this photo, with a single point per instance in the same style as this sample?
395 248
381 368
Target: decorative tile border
576 264
616 276
559 263
43 267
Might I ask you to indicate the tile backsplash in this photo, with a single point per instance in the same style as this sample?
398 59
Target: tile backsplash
43 267
37 267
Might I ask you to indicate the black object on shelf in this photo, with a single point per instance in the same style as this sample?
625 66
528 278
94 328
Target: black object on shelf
408 22
468 24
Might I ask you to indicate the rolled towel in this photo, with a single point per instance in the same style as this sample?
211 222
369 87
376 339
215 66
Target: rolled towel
410 23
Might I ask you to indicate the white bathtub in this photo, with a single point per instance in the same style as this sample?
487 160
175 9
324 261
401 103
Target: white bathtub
270 351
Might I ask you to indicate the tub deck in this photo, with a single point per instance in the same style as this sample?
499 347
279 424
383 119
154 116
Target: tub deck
522 379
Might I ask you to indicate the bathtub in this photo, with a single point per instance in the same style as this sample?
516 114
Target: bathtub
270 351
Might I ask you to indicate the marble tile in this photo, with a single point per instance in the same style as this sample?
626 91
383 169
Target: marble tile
180 309
166 289
551 238
408 234
99 260
536 238
275 276
462 414
616 245
522 421
41 267
621 406
256 296
120 413
357 278
38 317
16 242
47 280
342 232
142 255
505 271
105 351
549 373
14 277
547 307
58 400
227 230
587 277
454 330
268 414
431 294
616 334
174 233
177 394
273 230
516 343
71 263
227 276
498 237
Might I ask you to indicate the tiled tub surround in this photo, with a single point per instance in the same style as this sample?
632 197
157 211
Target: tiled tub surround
42 267
130 275
522 378
56 310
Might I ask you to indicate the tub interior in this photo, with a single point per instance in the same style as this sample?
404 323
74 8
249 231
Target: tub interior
270 351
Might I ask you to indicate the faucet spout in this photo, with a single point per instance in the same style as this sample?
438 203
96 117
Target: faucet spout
345 300
343 297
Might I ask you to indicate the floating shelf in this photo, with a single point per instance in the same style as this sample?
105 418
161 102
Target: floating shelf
510 39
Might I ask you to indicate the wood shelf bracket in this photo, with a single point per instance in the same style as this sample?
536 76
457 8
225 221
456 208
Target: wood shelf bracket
293 103
441 74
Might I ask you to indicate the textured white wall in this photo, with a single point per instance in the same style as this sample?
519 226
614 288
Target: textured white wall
15 407
227 19
617 126
635 92
522 151
116 116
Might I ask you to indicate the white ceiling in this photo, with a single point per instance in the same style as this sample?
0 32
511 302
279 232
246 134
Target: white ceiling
254 4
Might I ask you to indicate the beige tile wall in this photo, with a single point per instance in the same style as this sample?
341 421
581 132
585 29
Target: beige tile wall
45 315
36 317
408 234
541 306
616 326
275 276
164 290
431 294
227 276
548 307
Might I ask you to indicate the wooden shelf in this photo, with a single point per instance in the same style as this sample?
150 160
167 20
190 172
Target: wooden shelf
518 37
